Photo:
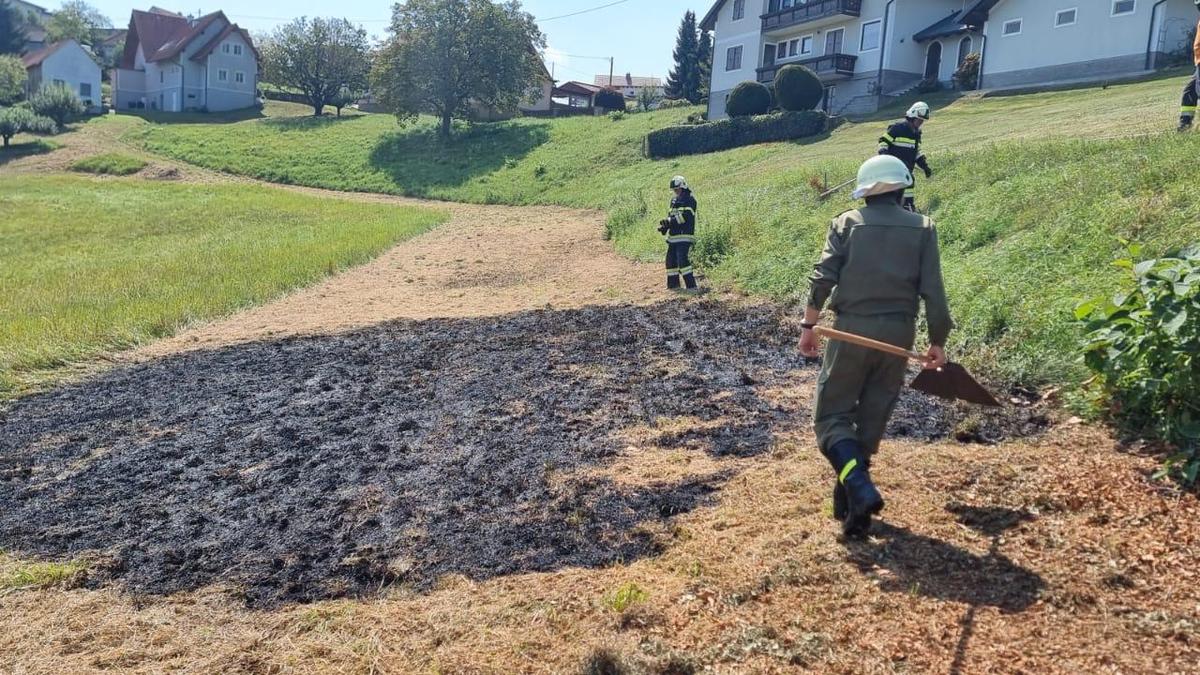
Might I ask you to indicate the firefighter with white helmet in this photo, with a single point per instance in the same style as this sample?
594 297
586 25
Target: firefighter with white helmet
679 227
879 263
902 140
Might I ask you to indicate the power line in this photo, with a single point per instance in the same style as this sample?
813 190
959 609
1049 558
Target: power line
584 11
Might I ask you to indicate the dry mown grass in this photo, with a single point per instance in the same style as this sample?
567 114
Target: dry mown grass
1026 557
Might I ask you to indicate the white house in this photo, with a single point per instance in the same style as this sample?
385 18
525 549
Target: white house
1039 42
631 86
66 63
867 50
176 63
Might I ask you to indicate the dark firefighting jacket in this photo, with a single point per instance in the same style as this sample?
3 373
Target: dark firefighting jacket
903 142
680 224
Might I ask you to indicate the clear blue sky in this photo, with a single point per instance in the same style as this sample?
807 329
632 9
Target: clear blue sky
638 33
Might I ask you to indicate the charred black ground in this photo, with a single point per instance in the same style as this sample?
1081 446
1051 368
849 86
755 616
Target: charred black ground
328 466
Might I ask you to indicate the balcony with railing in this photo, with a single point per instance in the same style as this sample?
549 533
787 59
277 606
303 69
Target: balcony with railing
809 12
827 67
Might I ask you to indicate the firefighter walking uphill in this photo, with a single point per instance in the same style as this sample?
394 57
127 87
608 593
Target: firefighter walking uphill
902 140
679 227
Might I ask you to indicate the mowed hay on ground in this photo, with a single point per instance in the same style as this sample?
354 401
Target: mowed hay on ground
90 266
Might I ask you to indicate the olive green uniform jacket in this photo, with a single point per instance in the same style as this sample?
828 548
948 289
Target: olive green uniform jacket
879 263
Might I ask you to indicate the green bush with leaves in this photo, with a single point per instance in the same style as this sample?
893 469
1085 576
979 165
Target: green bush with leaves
57 102
696 139
12 79
797 87
748 98
1143 345
966 77
610 100
15 121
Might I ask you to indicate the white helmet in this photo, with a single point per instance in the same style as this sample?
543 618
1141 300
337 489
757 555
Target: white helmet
880 175
920 109
679 182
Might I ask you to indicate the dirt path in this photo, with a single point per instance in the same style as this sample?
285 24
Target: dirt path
500 448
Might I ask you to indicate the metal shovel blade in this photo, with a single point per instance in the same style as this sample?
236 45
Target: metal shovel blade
953 382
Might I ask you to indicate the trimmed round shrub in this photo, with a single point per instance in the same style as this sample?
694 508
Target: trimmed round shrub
797 87
610 100
748 98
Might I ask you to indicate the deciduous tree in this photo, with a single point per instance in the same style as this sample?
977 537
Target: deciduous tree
12 32
78 21
445 56
57 102
326 59
12 80
14 121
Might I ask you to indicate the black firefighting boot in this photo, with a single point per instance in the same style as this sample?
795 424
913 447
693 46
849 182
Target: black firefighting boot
1185 124
840 504
862 498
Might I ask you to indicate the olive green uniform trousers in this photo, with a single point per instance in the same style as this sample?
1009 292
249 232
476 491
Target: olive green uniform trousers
858 387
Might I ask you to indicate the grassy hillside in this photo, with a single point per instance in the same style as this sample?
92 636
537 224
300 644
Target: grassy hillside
1032 193
88 266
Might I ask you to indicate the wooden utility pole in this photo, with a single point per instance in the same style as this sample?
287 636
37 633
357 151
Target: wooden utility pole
610 70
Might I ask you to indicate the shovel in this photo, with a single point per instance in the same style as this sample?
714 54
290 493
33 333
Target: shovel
951 381
824 195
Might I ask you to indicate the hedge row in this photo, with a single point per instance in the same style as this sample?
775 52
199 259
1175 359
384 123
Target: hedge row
698 139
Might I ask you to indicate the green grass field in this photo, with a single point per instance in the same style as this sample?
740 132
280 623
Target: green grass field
89 266
110 163
1032 193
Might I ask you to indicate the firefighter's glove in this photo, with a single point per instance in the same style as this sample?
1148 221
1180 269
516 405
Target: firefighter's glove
928 171
664 226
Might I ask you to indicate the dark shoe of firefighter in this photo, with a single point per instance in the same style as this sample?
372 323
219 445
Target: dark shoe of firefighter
840 504
862 498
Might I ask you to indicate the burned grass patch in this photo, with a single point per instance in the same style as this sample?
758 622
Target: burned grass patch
332 466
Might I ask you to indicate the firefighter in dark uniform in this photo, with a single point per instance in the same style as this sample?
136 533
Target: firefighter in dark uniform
879 263
679 227
1191 90
903 141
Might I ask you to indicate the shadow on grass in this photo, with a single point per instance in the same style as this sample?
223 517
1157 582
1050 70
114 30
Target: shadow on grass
230 117
417 159
16 151
926 566
332 466
308 122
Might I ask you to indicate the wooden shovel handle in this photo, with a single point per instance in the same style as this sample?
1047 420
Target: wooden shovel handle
861 341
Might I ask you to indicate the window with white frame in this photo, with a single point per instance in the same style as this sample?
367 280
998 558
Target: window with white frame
225 48
869 39
1123 7
239 77
1012 27
806 44
237 50
222 75
1065 17
793 48
739 10
733 58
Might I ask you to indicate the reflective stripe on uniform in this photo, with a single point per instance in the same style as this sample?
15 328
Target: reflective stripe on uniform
672 272
889 138
1188 109
686 271
681 239
847 469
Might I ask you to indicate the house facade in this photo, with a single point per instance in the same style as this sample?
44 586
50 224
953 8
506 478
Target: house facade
631 86
175 63
65 63
69 64
868 50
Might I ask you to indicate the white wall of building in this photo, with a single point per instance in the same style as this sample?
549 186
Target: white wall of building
230 93
72 66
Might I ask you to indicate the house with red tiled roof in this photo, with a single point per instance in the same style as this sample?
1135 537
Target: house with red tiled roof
175 63
68 64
